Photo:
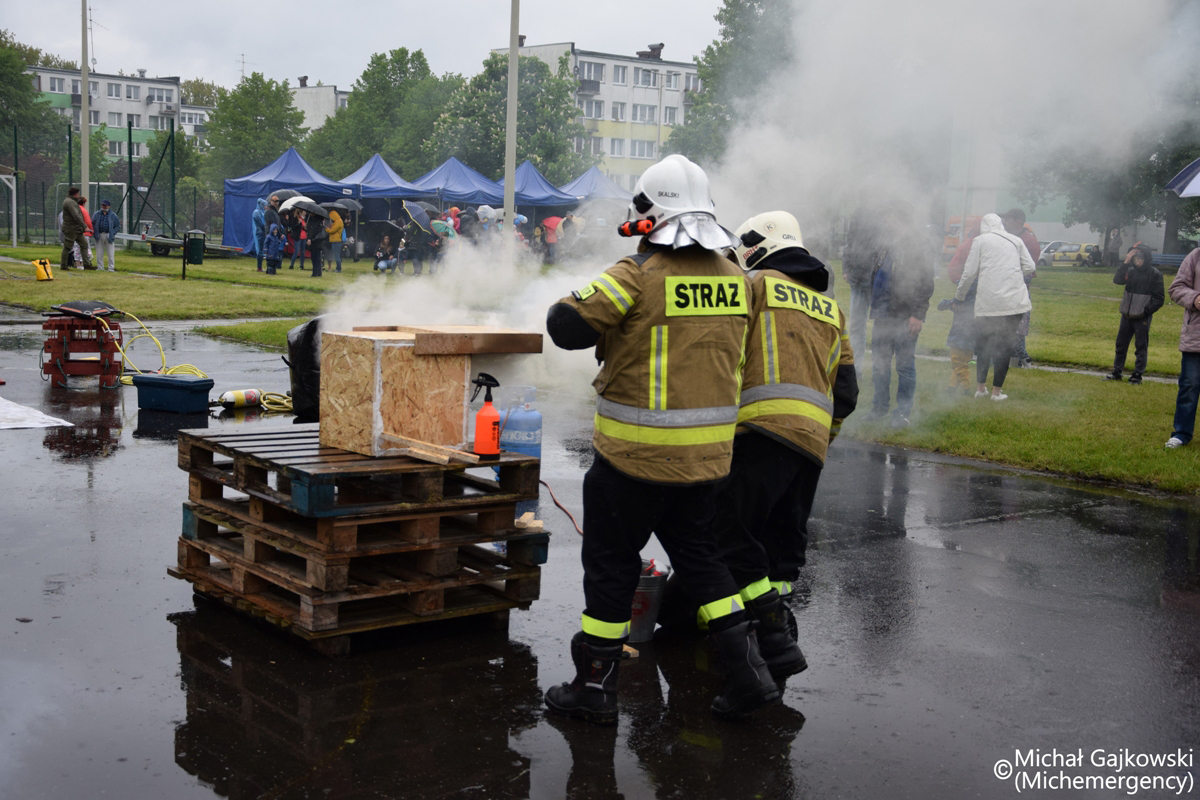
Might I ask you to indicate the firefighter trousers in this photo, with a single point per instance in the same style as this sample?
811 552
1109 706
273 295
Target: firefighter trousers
762 510
619 515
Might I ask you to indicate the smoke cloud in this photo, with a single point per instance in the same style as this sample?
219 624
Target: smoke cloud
474 285
883 96
879 96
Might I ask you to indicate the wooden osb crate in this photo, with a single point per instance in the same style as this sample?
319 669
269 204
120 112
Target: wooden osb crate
412 382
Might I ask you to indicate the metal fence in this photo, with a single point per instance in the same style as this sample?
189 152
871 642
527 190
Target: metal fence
145 205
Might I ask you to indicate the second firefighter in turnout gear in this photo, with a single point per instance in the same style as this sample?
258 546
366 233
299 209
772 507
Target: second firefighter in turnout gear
798 386
669 326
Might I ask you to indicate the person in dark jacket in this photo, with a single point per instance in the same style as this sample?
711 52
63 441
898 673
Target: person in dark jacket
106 225
295 229
271 215
900 295
74 229
1144 294
273 248
260 229
315 230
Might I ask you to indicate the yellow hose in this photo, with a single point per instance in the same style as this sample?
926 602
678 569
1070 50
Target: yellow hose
271 401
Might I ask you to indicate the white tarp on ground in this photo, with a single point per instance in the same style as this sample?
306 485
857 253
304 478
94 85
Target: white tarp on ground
13 415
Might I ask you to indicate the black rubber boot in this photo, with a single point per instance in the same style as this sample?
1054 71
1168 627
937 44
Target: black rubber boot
776 642
748 682
592 696
1135 379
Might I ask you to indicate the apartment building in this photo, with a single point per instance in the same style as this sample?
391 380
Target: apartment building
629 104
117 101
318 103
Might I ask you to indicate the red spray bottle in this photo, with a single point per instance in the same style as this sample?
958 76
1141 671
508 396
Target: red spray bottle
487 419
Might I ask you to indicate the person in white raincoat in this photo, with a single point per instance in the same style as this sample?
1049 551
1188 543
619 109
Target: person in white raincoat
998 261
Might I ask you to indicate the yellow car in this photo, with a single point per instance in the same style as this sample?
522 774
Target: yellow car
1070 254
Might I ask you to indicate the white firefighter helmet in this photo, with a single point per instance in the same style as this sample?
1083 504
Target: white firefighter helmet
766 234
673 198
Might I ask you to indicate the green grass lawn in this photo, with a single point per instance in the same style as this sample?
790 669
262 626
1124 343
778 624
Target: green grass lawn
1077 425
268 333
149 286
1074 322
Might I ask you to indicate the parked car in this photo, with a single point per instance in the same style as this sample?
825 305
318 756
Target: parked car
1048 250
1069 254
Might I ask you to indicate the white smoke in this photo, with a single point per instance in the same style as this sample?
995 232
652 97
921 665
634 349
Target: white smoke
881 89
475 285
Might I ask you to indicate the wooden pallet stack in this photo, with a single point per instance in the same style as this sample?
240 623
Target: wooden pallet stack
327 542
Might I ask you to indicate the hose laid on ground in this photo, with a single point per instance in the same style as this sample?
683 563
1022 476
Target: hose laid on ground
127 380
562 507
275 401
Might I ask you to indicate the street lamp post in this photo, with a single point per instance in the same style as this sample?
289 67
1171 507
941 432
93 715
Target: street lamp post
85 120
510 136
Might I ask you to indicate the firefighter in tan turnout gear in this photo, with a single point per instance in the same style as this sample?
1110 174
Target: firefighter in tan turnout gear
669 326
799 384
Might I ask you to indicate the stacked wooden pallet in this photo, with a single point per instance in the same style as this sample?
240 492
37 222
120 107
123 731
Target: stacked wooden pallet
327 542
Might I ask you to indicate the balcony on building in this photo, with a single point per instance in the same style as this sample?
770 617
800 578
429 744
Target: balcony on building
588 86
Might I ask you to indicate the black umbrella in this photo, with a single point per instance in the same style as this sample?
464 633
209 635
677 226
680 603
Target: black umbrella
345 204
415 213
311 207
284 194
429 207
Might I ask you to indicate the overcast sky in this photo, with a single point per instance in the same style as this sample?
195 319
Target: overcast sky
332 42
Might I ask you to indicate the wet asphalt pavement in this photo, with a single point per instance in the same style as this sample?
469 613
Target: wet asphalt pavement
951 614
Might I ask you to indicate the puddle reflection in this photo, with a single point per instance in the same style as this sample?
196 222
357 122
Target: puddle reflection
424 718
96 415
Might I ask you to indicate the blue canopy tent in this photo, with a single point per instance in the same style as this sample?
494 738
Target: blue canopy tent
380 186
289 171
377 179
532 189
593 184
455 182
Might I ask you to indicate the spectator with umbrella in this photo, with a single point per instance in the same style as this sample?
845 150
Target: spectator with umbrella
295 223
314 229
419 237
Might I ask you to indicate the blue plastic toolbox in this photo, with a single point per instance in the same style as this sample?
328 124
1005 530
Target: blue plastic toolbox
183 394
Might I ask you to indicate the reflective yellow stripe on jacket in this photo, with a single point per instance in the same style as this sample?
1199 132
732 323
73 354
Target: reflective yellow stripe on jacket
665 427
785 399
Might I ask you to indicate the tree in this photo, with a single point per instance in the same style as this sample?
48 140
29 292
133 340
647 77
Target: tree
405 146
391 110
473 123
754 44
189 161
32 56
98 158
251 126
21 106
1107 193
199 92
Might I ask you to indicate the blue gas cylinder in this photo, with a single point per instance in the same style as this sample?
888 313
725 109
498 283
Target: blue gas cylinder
520 428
